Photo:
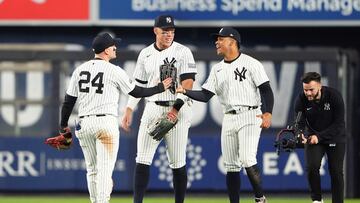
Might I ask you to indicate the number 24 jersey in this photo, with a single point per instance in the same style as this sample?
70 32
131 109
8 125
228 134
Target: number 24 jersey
97 85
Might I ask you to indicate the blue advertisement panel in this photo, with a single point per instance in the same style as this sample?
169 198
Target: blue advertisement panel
206 170
29 165
255 11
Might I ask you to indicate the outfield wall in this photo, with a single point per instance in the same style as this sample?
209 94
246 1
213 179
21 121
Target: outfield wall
26 164
32 88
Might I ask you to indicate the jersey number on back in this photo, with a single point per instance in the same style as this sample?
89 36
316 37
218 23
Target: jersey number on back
97 81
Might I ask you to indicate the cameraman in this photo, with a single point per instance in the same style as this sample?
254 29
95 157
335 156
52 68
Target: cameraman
322 110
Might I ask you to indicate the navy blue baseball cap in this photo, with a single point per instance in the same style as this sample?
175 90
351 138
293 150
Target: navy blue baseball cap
164 21
103 41
227 32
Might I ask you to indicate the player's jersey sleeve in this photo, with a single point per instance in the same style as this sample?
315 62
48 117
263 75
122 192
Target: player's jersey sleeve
258 73
74 84
210 83
187 62
139 72
125 84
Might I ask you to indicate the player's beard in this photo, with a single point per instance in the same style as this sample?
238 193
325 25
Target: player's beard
315 97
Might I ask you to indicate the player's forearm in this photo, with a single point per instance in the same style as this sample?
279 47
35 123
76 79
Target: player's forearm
199 95
180 98
66 110
268 96
132 102
139 92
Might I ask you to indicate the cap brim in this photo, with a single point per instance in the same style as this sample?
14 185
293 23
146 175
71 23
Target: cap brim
216 35
166 27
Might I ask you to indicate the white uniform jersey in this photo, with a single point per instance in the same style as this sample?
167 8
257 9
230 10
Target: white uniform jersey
97 85
148 69
150 59
236 83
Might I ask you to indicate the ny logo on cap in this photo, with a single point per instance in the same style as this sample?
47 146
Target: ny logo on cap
221 30
168 19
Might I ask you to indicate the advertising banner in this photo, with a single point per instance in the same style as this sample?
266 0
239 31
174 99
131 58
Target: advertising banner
234 12
44 10
187 12
206 171
28 164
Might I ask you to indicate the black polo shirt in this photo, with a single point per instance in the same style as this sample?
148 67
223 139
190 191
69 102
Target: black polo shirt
325 117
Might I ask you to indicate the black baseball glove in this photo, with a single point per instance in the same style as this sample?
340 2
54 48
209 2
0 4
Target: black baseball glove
169 70
162 126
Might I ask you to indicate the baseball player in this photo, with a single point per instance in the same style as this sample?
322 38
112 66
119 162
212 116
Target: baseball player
96 85
239 81
165 50
323 114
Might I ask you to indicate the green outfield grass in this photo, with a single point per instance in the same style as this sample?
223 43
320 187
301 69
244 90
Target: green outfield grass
56 199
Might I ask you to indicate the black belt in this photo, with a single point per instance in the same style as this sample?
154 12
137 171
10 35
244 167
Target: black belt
164 103
238 111
97 115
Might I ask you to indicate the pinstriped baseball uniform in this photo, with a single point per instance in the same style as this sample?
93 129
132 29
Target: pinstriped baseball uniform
236 84
97 85
147 69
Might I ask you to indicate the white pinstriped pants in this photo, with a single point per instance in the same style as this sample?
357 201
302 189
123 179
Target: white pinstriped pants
99 141
175 140
240 136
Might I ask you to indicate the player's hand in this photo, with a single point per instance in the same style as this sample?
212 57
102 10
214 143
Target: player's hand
266 120
313 139
303 139
180 89
172 114
127 119
167 83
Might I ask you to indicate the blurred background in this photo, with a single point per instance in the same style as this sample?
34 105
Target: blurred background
42 41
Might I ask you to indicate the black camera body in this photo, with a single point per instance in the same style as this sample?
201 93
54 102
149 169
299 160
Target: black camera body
290 138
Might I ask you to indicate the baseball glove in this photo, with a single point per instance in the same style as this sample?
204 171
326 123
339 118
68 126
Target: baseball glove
169 70
62 141
161 127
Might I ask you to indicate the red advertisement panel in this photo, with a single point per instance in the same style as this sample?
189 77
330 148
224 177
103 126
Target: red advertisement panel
44 9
